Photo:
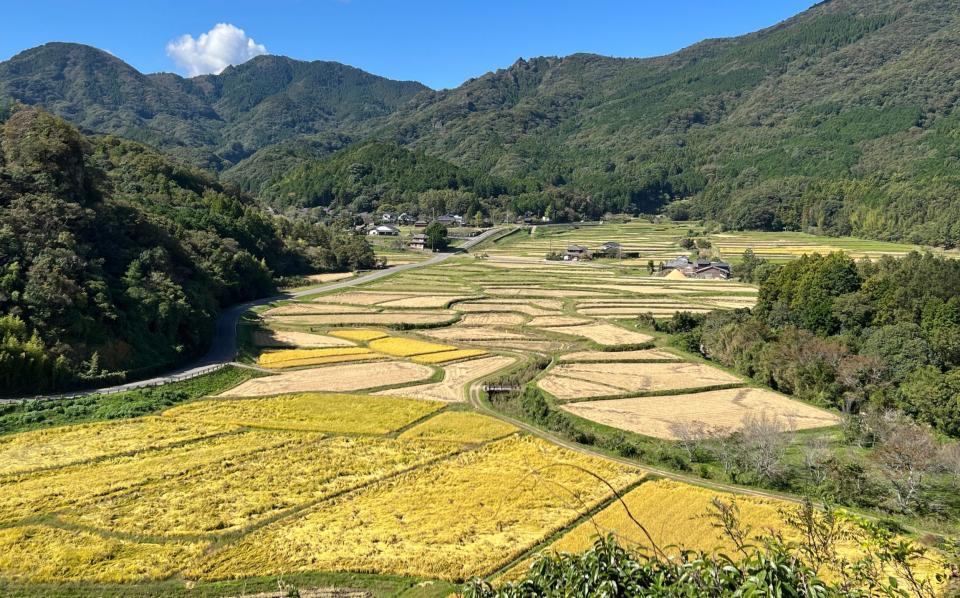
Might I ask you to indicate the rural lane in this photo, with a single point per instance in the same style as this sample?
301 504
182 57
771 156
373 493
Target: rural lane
223 347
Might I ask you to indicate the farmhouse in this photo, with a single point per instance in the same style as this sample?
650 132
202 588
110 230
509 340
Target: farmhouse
384 230
610 249
419 241
450 220
576 253
682 267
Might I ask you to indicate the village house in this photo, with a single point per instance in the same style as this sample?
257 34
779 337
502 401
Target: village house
450 220
388 217
405 219
420 224
577 253
418 241
384 230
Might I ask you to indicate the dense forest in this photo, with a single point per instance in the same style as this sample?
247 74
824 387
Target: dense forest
840 121
116 259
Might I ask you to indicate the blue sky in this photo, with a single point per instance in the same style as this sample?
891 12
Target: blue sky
440 43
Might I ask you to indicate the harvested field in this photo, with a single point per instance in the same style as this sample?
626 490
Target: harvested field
330 276
56 447
301 357
621 356
361 297
722 410
457 519
456 375
605 334
563 387
333 378
300 309
406 347
290 338
523 345
632 378
357 334
477 333
384 318
541 292
492 319
333 413
459 426
550 304
445 356
506 307
549 321
237 494
730 302
630 312
424 301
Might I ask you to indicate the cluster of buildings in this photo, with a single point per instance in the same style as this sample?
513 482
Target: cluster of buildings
684 267
610 249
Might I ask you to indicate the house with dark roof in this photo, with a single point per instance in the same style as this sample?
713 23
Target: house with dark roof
384 230
576 253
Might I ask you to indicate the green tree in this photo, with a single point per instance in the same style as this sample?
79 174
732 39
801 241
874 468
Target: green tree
436 236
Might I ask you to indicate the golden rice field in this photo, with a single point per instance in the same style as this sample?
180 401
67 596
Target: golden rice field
357 334
76 485
406 347
459 426
718 412
234 495
453 520
333 413
303 357
56 447
334 378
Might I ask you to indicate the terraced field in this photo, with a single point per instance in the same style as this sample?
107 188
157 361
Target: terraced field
359 450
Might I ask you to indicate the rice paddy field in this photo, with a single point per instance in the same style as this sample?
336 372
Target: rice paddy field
364 448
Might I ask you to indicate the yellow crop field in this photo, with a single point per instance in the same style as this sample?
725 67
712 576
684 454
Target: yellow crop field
238 493
406 347
76 485
357 334
348 377
301 357
458 518
459 426
445 356
39 553
683 525
334 413
56 447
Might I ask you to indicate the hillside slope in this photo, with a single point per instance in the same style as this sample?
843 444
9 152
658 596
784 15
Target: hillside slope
113 258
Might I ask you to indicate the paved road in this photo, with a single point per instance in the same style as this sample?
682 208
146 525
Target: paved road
223 347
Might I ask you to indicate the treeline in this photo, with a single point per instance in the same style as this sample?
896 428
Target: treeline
850 335
117 260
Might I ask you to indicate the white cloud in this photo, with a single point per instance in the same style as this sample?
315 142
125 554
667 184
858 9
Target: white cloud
213 51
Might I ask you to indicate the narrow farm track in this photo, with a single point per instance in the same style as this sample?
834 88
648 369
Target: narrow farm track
223 347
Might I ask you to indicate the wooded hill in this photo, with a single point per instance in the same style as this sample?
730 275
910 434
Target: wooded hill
114 258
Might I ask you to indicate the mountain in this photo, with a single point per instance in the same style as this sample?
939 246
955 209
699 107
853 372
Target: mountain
840 120
212 120
115 260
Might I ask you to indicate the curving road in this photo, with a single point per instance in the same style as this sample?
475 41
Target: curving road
223 347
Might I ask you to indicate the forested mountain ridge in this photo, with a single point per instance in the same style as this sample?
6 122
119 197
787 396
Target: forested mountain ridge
211 120
840 120
113 258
